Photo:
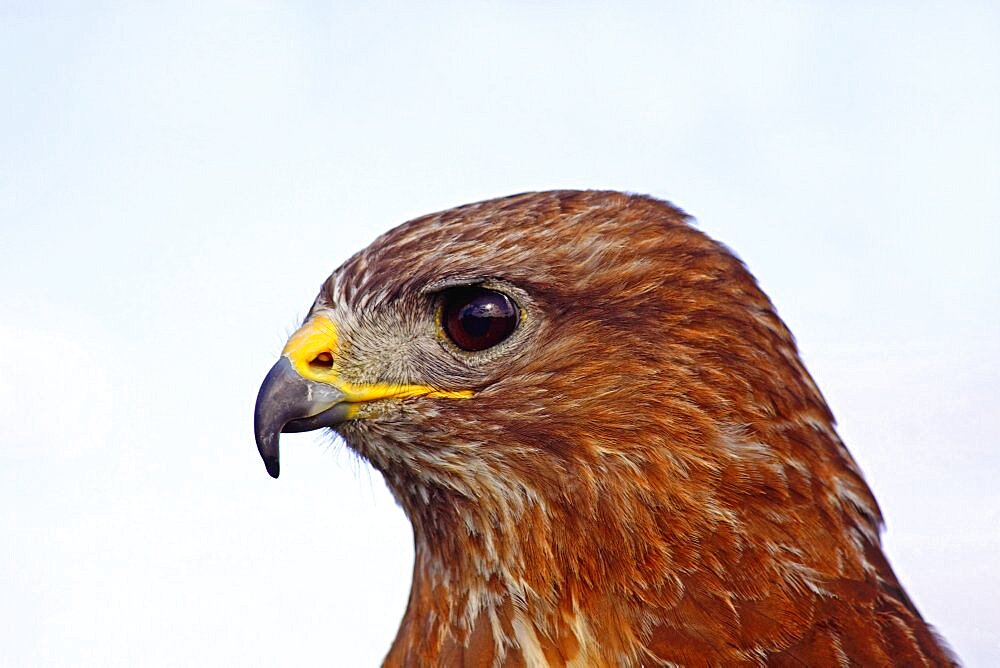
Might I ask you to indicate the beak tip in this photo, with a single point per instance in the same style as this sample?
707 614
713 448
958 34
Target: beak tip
273 466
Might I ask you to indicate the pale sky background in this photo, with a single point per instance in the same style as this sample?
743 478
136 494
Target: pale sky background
177 180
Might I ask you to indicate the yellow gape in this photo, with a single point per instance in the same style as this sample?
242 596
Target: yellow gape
314 353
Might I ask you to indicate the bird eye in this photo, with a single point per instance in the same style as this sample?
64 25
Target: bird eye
475 318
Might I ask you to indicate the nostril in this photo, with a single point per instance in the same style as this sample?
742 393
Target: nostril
324 360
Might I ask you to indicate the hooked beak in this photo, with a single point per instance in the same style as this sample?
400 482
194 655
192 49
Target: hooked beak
305 390
287 402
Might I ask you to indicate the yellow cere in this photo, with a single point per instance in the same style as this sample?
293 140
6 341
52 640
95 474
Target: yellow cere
313 352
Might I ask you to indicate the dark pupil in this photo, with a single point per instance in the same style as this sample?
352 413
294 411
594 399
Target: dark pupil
477 318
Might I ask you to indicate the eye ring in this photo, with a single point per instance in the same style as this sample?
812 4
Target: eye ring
475 318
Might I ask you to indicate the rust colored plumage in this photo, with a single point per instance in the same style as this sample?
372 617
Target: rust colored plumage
646 474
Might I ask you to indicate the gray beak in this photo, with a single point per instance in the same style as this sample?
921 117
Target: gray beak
287 402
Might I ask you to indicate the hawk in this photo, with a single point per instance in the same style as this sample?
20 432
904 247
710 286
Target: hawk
605 440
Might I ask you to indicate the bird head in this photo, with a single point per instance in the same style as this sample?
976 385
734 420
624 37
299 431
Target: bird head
579 400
